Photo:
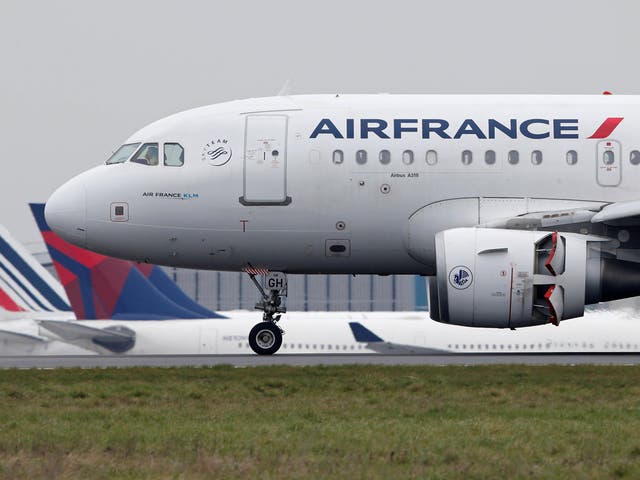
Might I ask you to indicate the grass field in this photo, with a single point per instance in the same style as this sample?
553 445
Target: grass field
321 422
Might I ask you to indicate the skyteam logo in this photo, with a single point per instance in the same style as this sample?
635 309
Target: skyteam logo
460 277
216 152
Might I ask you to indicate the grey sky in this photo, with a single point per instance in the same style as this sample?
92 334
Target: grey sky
79 77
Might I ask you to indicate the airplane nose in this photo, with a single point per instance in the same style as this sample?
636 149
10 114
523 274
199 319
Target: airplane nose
65 212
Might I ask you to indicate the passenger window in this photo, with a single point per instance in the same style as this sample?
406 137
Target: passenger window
338 157
513 157
536 157
467 157
173 155
634 157
608 157
361 157
407 157
385 157
147 155
490 157
572 157
432 157
123 153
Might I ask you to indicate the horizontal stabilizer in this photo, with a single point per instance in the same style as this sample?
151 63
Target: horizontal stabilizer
110 339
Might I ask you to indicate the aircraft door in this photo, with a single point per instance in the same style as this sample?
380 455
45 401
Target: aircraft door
208 340
608 163
265 161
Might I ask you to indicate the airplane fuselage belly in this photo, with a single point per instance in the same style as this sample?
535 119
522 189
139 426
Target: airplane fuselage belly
335 213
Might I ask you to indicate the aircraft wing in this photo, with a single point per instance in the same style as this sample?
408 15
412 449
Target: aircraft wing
618 214
377 344
114 339
17 337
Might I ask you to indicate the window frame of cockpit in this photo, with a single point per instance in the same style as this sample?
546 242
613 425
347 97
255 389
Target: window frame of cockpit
141 148
126 159
164 158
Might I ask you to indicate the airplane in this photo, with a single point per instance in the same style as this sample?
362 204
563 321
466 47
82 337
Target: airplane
521 209
391 333
601 331
524 246
28 292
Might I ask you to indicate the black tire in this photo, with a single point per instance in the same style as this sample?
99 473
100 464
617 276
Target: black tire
265 338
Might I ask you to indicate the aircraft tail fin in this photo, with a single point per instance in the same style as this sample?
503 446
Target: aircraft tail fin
25 285
363 334
172 291
102 287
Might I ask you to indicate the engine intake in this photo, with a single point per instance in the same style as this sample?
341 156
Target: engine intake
513 278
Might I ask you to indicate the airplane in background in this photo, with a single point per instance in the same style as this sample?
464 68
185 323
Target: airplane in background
26 287
28 292
521 208
101 287
613 330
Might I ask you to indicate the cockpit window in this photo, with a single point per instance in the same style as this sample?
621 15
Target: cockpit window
173 155
147 155
123 153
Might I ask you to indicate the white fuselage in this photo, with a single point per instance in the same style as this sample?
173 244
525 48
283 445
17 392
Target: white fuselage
600 331
282 182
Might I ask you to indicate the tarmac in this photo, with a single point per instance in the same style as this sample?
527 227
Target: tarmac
96 361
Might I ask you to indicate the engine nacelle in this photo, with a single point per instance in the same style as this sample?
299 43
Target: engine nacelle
514 278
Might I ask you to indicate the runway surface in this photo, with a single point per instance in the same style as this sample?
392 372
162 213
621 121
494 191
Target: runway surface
308 360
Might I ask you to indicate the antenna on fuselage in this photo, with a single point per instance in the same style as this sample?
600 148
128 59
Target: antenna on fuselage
287 89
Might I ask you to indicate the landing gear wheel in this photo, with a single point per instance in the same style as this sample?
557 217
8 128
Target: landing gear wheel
265 338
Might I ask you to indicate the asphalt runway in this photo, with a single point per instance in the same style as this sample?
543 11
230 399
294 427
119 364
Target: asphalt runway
309 360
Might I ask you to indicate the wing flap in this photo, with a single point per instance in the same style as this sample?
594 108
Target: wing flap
617 211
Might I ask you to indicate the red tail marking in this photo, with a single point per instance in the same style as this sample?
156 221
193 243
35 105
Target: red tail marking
65 276
8 304
607 127
80 255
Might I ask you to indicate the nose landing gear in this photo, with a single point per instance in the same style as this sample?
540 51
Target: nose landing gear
265 338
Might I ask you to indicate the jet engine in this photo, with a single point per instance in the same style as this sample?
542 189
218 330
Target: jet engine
513 278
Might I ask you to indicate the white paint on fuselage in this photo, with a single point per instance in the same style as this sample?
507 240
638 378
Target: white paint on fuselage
216 231
329 332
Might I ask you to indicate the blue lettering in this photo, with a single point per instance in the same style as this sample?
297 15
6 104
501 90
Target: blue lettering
398 128
327 127
349 127
439 129
524 128
559 128
534 128
377 127
469 127
511 131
